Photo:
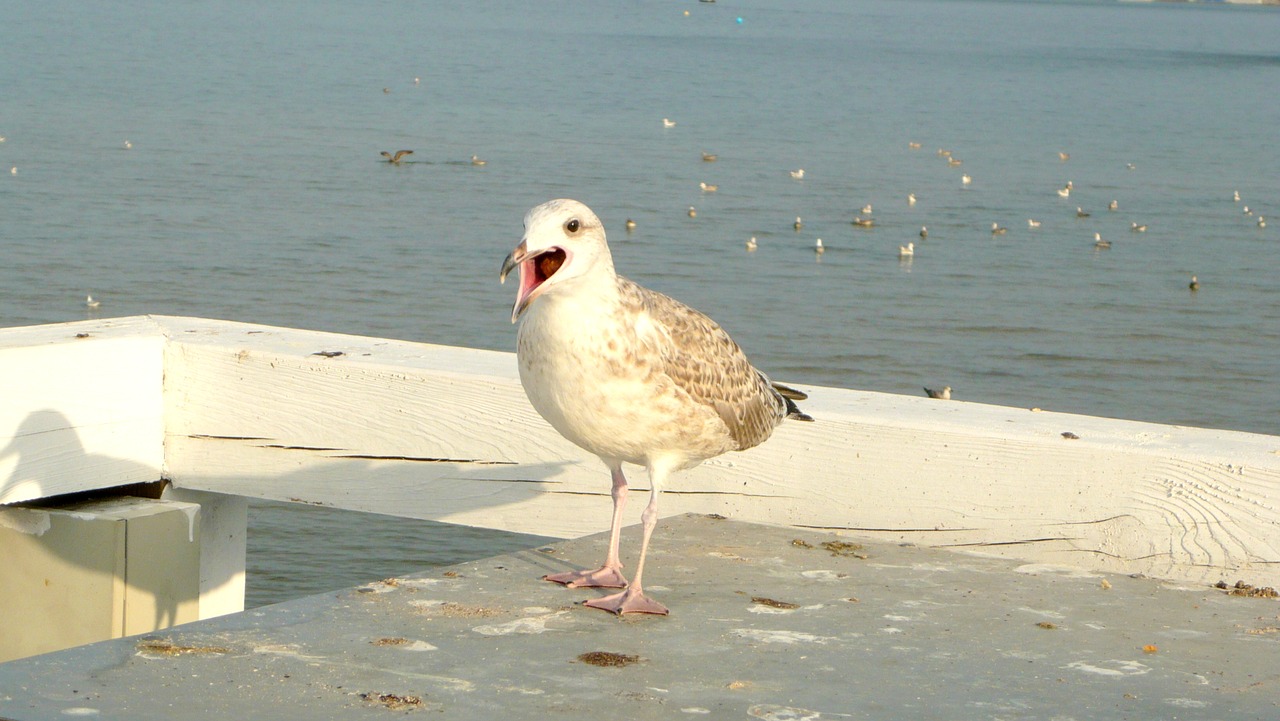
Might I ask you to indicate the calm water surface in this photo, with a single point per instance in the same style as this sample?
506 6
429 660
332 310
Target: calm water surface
254 191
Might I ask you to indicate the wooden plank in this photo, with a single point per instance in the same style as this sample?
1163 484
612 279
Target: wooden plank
446 434
82 407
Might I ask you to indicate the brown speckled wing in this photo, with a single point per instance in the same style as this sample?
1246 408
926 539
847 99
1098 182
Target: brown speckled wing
701 359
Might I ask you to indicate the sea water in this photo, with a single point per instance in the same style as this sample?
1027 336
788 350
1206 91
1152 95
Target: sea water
252 189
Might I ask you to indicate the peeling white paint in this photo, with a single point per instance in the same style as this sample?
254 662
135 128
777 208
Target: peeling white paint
1113 667
25 520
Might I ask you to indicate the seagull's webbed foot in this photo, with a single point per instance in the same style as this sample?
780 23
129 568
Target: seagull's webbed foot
631 600
604 577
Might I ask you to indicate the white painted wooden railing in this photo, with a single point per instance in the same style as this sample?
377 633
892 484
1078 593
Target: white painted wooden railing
446 434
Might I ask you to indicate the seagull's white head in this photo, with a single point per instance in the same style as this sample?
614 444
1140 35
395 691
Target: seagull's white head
563 241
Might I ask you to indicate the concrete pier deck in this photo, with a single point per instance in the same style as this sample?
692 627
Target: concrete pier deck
767 622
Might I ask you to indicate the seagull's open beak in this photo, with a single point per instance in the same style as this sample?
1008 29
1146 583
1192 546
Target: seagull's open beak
535 270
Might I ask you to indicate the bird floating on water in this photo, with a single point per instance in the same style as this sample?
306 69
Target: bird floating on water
924 232
477 160
866 209
751 244
1064 156
127 145
693 212
907 251
1262 222
798 173
817 247
913 145
89 302
1033 223
709 157
864 222
944 152
798 224
1137 228
628 374
965 179
1080 212
1194 284
13 170
953 162
942 394
1098 242
708 188
1247 211
1113 205
630 225
997 229
1064 192
395 159
666 123
1237 196
911 198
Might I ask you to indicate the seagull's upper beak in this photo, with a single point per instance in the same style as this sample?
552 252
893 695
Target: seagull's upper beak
536 268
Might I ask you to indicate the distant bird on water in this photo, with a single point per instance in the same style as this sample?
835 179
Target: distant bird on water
710 157
1064 156
1262 222
911 198
798 224
864 222
942 394
1237 196
127 145
907 251
693 212
706 188
1064 192
666 123
798 173
89 302
751 244
913 145
628 374
1113 205
630 225
1137 228
997 229
477 160
395 159
1080 212
1194 284
1098 242
866 209
818 248
1033 223
965 179
924 232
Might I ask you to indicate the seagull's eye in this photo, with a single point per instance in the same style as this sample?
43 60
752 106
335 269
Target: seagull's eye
573 225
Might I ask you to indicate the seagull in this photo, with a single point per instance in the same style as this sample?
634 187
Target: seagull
798 173
417 81
1262 222
817 247
628 374
631 225
476 160
866 209
668 123
89 302
1064 192
913 145
864 222
924 232
1033 223
997 229
965 179
1130 166
1137 228
911 198
1113 205
751 244
953 162
13 170
1064 156
693 212
944 152
1237 196
942 394
798 224
1098 242
1080 212
907 251
1194 284
1247 211
710 157
708 188
395 159
127 145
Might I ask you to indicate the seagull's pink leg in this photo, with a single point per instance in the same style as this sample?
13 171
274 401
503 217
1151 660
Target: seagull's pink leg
610 574
633 599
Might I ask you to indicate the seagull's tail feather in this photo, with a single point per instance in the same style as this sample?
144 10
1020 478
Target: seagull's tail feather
790 396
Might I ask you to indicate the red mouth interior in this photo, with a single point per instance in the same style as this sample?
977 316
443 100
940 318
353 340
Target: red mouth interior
540 268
